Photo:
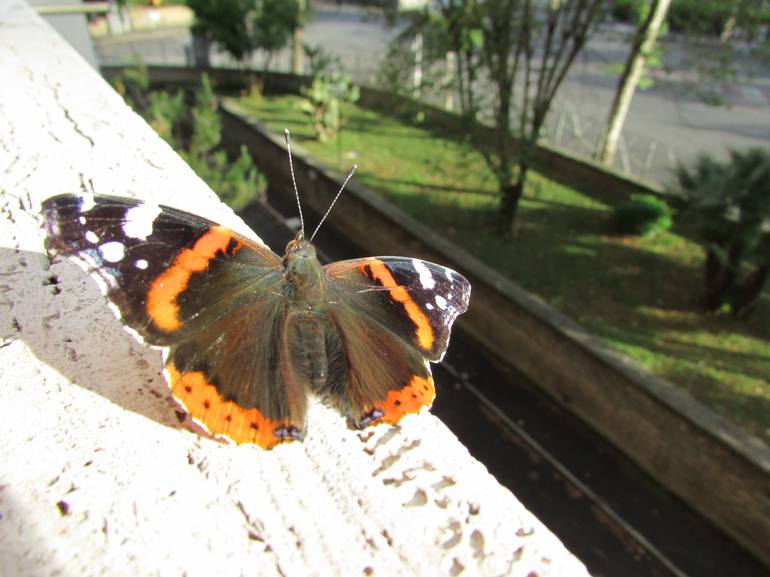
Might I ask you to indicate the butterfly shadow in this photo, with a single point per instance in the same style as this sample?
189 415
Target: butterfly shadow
58 310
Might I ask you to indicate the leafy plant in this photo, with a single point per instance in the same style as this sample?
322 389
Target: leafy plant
206 126
642 215
324 97
226 23
730 202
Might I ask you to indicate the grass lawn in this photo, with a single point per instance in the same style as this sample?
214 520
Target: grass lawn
641 295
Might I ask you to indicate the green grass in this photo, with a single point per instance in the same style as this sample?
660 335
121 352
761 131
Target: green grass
641 295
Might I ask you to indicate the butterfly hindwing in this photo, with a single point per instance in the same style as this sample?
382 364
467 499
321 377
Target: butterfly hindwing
234 377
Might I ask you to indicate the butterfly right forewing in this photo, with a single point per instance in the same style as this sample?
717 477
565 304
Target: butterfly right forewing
209 294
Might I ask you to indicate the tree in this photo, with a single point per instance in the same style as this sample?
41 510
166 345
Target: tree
241 27
714 64
641 47
274 24
297 48
528 46
516 51
730 202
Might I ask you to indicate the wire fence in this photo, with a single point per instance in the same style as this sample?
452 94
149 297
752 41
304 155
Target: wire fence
566 127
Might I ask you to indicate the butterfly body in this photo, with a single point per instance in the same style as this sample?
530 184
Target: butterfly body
250 334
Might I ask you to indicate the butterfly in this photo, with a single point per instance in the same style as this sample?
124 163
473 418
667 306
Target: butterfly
250 334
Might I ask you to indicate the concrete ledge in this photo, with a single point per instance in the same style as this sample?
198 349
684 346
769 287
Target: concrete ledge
712 464
99 472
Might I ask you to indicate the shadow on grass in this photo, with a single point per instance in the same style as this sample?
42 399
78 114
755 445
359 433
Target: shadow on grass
704 370
418 187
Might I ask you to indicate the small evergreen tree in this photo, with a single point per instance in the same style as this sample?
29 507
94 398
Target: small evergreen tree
196 134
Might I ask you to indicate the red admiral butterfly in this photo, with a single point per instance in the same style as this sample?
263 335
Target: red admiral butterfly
250 334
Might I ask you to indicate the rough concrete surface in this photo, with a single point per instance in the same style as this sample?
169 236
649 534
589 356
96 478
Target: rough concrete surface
100 474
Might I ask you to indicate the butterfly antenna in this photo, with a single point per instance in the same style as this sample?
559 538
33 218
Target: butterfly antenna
294 181
339 192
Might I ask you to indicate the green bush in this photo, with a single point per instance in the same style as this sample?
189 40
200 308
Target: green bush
729 201
699 16
643 215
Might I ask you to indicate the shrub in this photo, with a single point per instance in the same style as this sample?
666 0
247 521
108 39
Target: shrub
627 11
642 215
730 204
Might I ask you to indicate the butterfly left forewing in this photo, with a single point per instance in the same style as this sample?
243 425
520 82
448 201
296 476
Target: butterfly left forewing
160 266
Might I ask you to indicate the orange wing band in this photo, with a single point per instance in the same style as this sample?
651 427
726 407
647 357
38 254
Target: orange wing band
423 331
162 307
225 418
419 393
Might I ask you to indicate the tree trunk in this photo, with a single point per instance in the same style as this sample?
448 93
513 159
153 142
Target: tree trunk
713 280
750 291
644 42
512 194
297 51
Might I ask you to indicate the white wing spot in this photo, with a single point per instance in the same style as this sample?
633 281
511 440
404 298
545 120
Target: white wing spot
92 237
82 220
441 302
139 220
87 202
449 272
426 278
429 306
141 264
112 251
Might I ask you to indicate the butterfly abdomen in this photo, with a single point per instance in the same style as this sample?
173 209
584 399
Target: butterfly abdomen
305 338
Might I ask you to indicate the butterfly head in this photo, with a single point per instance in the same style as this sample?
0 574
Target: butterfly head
303 272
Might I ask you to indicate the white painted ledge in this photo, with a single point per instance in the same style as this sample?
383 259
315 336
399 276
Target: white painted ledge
98 476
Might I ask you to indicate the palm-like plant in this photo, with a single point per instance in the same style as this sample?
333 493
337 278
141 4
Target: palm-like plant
731 202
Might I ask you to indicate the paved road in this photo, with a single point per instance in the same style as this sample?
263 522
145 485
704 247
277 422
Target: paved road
664 125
